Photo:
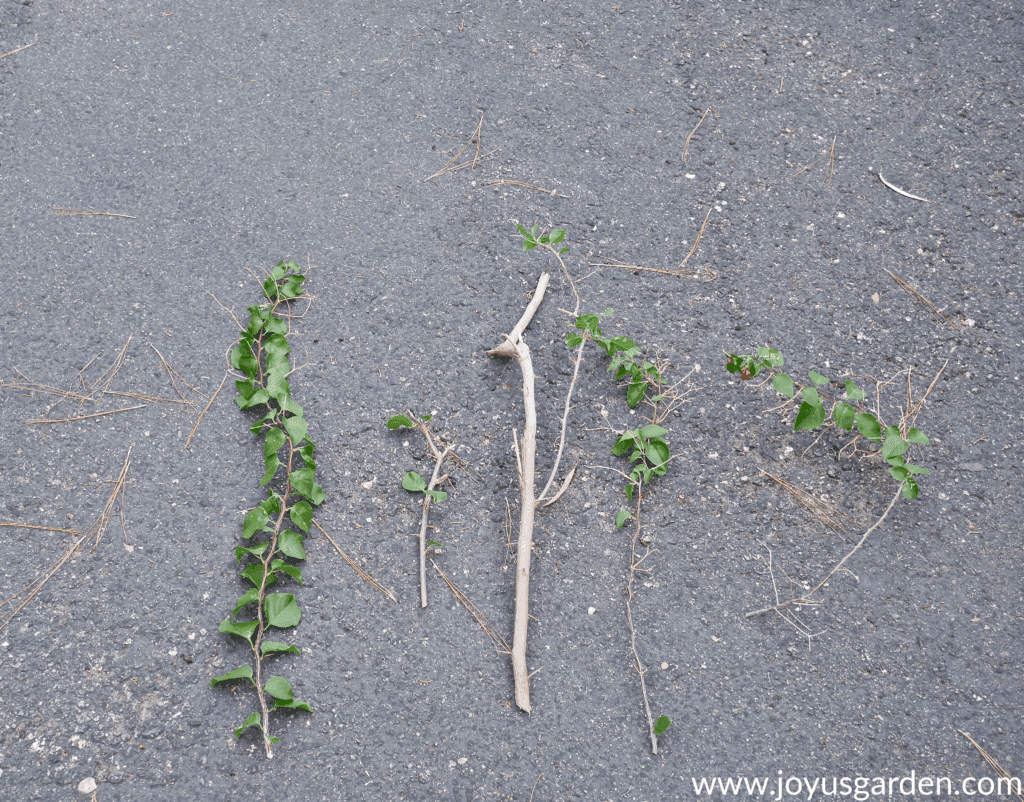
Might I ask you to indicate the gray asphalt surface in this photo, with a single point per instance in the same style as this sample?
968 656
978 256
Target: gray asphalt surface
235 135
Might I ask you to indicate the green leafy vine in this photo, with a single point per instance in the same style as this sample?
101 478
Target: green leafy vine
262 355
849 413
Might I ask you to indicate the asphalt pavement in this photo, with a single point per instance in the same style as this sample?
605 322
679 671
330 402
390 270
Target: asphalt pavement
156 159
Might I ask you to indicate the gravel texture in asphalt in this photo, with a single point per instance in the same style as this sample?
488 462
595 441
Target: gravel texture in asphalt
230 136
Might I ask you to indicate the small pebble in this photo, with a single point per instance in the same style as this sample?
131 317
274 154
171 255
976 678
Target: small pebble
664 666
87 786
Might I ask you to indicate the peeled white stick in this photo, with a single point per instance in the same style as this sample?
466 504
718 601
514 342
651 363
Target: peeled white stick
528 504
514 346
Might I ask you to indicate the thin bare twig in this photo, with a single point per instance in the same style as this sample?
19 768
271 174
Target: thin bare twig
427 498
999 770
17 50
686 146
831 171
696 242
61 211
508 181
514 345
821 510
935 312
806 598
95 531
500 644
369 580
202 414
896 189
34 421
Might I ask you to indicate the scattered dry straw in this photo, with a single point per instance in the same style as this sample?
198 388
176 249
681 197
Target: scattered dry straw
999 770
821 510
20 599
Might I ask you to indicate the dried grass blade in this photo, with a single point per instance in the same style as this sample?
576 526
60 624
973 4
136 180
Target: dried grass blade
499 642
369 580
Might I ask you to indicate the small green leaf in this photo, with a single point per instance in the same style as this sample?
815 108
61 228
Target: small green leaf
843 415
244 629
624 443
867 425
809 416
658 453
301 514
274 647
557 236
899 474
255 551
275 325
662 724
253 720
292 286
245 672
734 364
913 469
622 517
652 430
293 571
783 385
271 463
254 573
398 421
894 444
270 289
413 482
910 488
296 427
279 688
853 392
635 393
573 339
810 395
564 250
303 482
251 595
435 544
915 435
817 378
282 611
306 452
437 495
278 272
522 230
289 543
293 704
273 441
254 522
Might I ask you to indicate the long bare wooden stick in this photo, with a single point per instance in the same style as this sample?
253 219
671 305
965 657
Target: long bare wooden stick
527 455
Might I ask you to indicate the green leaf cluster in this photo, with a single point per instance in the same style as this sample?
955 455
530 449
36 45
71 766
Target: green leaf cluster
531 240
292 490
648 451
626 361
847 414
